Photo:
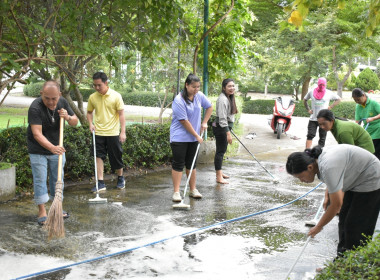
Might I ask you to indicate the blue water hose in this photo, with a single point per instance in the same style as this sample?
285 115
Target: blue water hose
363 119
166 239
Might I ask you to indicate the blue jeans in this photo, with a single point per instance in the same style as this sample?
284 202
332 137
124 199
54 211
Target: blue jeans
41 166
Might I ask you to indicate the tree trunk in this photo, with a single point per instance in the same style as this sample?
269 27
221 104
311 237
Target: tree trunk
305 87
339 90
296 90
341 83
78 110
163 107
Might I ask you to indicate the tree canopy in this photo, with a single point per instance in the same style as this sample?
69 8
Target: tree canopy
272 42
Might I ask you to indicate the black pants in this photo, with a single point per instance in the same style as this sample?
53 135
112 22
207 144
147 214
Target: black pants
376 143
312 130
183 155
357 216
109 145
221 146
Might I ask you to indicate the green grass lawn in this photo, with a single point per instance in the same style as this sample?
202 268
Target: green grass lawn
10 117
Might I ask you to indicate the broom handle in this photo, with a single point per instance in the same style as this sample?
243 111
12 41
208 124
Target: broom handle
191 169
61 124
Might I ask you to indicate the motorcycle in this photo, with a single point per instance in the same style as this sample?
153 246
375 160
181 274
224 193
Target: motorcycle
282 115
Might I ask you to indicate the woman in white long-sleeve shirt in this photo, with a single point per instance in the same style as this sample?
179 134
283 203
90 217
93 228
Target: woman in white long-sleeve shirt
225 117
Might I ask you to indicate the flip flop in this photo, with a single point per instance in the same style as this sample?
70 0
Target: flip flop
41 220
65 215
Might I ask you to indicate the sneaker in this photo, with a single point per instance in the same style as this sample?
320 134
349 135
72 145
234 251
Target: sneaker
120 183
101 187
195 194
176 197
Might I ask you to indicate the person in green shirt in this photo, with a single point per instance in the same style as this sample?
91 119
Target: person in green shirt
344 132
369 110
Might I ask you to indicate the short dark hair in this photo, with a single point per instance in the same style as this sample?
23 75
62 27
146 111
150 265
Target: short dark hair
357 92
100 75
326 114
298 161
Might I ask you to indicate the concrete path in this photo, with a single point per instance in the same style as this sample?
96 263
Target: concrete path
17 99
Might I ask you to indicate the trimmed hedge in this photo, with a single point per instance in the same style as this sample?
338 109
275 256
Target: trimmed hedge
146 146
345 109
33 90
138 98
145 98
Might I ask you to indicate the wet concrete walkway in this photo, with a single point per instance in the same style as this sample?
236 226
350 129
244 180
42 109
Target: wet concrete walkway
261 247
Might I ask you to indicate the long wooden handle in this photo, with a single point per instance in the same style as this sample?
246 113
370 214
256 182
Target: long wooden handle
60 157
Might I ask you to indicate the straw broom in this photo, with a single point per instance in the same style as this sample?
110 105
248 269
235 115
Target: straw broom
54 222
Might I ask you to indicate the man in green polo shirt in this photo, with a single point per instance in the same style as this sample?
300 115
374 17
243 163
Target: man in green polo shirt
369 110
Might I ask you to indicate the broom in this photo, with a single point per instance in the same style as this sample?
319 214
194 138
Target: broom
54 222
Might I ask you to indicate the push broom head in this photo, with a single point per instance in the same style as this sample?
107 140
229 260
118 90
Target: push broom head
310 223
97 200
181 206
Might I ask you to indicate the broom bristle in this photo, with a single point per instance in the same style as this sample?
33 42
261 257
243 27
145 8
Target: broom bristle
54 223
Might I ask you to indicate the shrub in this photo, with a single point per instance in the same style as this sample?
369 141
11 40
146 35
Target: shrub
13 149
146 146
362 263
258 85
138 98
33 90
345 109
145 98
367 80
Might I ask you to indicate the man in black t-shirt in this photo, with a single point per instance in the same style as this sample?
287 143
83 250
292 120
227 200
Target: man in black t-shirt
43 139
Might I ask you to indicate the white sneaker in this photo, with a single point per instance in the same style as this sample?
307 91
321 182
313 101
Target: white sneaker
195 194
176 197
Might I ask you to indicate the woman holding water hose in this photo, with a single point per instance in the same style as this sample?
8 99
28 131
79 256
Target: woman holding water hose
369 110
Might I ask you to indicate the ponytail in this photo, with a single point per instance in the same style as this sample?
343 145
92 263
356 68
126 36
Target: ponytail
329 115
298 161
